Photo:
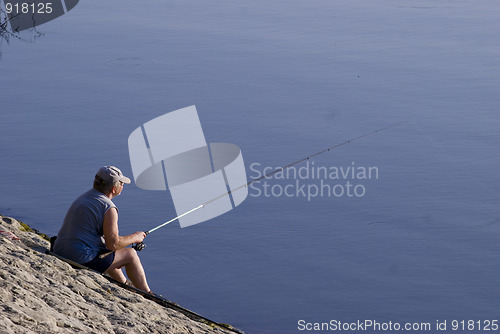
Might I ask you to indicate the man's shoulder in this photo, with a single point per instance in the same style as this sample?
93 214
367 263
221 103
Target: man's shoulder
93 195
89 194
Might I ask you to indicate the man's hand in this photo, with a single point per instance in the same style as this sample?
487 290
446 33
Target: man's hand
138 236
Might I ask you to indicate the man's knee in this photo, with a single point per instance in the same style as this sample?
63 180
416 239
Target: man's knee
132 254
128 255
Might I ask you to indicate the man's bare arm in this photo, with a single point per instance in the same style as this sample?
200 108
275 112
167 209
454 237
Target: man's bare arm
112 237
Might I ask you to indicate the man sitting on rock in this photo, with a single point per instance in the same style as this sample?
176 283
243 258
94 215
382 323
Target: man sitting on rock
90 231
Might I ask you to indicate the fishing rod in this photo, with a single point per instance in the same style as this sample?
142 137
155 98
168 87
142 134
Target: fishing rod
267 175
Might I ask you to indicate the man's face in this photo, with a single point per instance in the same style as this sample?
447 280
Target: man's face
118 190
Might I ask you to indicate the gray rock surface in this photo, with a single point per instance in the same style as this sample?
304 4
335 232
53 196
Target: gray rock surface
42 294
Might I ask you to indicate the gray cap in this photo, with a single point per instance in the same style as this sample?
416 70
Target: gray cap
111 174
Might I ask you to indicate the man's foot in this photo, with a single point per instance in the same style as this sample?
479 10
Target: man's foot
129 283
154 294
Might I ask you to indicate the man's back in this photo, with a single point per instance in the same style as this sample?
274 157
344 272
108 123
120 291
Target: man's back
80 237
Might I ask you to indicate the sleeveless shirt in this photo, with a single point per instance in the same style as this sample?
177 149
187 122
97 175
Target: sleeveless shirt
80 238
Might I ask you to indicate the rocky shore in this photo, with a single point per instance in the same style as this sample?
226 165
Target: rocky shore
42 294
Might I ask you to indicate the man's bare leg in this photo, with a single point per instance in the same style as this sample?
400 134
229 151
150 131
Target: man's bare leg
117 274
128 257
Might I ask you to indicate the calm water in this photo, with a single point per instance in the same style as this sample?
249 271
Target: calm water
282 80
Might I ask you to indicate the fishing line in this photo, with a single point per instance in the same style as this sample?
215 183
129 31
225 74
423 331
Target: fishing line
273 172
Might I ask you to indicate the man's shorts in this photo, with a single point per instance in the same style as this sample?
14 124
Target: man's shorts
101 265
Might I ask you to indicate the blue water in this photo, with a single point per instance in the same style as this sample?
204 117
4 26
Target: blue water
282 80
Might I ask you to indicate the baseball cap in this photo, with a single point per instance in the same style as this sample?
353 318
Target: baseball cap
111 174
